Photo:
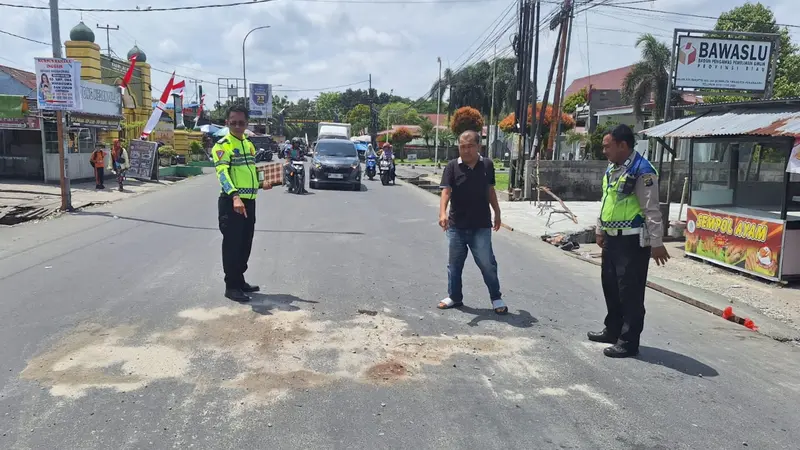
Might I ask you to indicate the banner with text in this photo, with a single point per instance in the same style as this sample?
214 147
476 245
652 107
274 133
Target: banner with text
260 100
747 244
58 84
706 63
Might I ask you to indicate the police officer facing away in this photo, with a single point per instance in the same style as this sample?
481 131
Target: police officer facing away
234 160
629 230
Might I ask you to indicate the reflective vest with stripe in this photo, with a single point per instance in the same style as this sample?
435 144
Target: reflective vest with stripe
234 161
621 209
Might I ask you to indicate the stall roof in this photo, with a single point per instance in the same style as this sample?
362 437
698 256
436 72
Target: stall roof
736 122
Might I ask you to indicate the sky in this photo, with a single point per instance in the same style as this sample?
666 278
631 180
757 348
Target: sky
323 45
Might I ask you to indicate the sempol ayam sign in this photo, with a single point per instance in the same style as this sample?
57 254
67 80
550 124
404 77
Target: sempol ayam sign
736 64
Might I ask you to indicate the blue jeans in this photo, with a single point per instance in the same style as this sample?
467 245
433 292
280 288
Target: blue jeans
479 242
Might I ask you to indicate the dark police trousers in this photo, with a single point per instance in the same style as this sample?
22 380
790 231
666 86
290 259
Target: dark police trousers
624 277
237 240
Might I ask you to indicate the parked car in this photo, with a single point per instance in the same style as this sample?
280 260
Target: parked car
335 162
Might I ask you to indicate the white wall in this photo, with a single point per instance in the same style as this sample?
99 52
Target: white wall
78 167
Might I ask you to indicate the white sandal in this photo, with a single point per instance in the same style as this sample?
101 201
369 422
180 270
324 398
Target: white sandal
449 303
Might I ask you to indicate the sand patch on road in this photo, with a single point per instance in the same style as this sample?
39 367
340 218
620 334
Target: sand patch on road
264 357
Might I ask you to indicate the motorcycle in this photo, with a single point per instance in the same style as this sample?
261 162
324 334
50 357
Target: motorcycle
297 177
387 174
371 167
264 155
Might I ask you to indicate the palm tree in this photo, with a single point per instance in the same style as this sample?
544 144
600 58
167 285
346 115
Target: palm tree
649 78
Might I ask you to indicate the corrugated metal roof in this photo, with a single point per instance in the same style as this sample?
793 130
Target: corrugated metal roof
660 131
736 122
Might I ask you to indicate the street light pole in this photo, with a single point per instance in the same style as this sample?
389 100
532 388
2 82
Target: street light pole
438 110
244 61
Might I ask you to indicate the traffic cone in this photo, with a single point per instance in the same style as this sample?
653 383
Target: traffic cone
727 313
750 324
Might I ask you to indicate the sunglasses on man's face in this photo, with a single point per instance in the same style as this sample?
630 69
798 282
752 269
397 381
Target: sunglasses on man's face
237 123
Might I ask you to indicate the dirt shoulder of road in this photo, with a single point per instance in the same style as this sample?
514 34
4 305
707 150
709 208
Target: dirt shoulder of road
22 201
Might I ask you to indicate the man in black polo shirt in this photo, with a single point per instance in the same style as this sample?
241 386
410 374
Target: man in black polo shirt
468 186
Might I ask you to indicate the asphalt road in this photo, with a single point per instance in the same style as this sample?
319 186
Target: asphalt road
115 335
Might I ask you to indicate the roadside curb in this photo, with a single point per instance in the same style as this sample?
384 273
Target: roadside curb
771 328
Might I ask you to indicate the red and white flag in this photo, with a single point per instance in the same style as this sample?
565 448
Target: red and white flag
160 107
178 88
129 74
199 109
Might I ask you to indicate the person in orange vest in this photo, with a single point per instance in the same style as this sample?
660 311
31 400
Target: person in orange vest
98 160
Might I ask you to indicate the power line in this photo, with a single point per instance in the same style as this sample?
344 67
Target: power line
24 38
234 4
698 16
322 89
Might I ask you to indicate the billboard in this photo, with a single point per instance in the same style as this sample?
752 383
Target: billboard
58 84
736 241
112 71
736 64
260 100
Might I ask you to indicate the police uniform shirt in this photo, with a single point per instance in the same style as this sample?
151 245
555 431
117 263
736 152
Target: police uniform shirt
646 191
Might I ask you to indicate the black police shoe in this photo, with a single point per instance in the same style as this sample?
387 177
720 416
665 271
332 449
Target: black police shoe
237 295
618 351
602 336
250 288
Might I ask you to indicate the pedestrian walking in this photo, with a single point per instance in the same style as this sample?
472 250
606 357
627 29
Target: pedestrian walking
630 231
234 160
98 162
468 187
119 163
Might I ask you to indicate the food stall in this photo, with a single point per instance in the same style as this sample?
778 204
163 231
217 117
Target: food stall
744 184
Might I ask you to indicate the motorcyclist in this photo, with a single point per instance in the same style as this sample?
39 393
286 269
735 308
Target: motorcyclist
293 153
388 155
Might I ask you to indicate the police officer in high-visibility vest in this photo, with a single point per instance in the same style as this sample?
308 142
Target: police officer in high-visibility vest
630 231
234 160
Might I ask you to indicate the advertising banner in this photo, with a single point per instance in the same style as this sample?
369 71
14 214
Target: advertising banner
706 63
260 100
752 245
58 84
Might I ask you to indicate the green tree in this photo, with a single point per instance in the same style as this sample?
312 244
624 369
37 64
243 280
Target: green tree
398 114
649 78
329 106
446 138
757 18
427 131
572 101
358 117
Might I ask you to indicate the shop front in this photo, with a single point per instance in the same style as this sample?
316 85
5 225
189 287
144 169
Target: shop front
97 122
20 141
744 200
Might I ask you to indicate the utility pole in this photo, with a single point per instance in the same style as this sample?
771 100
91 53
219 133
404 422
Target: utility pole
66 194
519 49
373 128
546 97
535 96
491 109
565 13
438 111
108 29
563 85
526 94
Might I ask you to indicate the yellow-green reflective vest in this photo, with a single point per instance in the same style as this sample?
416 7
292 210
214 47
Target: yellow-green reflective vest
621 209
234 160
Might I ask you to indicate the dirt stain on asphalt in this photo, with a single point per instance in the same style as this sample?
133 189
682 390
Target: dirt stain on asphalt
264 357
